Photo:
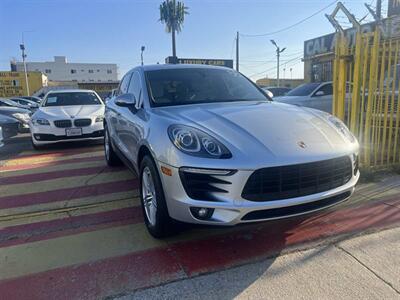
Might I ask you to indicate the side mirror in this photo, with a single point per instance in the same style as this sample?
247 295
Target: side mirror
126 100
319 93
269 93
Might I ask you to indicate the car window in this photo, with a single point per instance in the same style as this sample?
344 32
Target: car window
327 89
135 86
123 87
75 98
199 85
303 90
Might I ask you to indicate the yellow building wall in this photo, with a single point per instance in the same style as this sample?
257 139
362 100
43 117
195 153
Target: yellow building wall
14 84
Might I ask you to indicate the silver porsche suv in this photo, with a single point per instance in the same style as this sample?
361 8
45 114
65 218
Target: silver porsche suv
210 147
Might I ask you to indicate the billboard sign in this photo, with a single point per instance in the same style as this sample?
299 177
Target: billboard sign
202 61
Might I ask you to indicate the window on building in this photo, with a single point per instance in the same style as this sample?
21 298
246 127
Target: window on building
47 71
91 80
15 83
82 70
90 71
98 70
109 71
73 71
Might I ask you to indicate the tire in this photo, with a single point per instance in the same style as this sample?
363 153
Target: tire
112 158
158 221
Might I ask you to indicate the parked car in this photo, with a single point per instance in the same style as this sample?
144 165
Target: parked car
28 104
67 115
8 128
210 148
10 103
277 91
318 95
20 114
32 98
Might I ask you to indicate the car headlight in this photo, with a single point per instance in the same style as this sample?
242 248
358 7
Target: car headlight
22 117
99 119
41 122
342 128
195 142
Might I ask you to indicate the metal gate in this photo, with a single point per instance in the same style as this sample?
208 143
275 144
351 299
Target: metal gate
366 94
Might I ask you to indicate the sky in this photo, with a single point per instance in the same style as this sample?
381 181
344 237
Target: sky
113 31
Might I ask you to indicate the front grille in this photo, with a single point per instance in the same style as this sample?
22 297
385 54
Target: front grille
299 180
63 123
295 209
201 186
82 122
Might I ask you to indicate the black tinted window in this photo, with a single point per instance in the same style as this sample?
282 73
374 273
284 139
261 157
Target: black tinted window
327 89
199 85
67 99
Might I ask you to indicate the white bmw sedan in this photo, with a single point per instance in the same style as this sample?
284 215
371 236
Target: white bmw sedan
210 147
68 115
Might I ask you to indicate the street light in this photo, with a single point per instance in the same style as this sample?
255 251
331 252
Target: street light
278 53
141 53
22 47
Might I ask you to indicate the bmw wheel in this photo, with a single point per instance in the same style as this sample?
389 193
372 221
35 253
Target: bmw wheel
155 212
112 158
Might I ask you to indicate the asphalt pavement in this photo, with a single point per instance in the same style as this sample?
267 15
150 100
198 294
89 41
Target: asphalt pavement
72 228
365 267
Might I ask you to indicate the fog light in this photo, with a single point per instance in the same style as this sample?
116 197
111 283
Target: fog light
202 213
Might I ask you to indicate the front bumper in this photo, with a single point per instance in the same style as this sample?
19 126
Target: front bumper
50 134
230 208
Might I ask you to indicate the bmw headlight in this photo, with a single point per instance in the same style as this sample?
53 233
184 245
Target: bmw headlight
22 117
195 142
342 128
99 119
41 122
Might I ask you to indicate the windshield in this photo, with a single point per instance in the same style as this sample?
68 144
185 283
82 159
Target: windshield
304 89
75 98
8 102
199 85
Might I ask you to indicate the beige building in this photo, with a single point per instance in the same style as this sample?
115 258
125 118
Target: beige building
14 83
290 83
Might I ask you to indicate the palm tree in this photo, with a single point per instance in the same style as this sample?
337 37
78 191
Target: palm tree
172 14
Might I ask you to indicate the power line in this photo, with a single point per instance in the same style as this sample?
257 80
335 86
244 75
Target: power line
274 68
293 25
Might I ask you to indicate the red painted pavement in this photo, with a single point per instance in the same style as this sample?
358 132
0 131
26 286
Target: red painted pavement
15 235
137 270
56 174
50 163
92 190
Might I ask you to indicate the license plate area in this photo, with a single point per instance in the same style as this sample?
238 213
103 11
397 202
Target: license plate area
73 131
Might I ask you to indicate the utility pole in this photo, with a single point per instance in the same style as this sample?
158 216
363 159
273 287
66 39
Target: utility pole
237 51
141 53
291 77
22 47
278 54
379 9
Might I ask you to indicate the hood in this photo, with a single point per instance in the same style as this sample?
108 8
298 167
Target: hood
258 128
289 99
8 111
68 112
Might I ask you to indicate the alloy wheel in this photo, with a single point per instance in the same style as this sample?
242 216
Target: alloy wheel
149 196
